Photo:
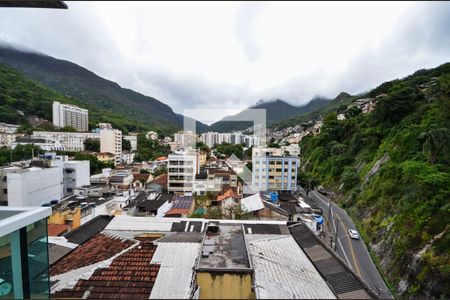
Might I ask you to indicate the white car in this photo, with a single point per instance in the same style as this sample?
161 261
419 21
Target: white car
353 234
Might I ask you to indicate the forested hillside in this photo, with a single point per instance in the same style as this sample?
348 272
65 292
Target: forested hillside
391 170
22 97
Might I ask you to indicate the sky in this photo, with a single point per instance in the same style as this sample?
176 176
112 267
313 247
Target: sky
229 55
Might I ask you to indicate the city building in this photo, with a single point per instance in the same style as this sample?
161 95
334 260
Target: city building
7 139
133 141
70 115
44 144
121 179
111 141
182 167
151 135
292 149
185 138
275 173
105 156
127 157
65 141
187 258
24 261
8 128
30 186
76 174
41 181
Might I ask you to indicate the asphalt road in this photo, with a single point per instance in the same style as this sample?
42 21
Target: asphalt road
354 252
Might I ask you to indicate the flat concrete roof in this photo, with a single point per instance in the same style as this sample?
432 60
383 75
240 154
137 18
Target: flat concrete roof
225 250
14 218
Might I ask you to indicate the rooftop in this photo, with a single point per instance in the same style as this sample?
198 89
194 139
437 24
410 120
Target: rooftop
87 230
131 275
224 250
161 180
57 229
283 271
152 205
98 248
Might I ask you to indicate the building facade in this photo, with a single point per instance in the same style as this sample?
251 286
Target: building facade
133 141
65 141
111 141
182 168
31 186
275 173
75 174
70 115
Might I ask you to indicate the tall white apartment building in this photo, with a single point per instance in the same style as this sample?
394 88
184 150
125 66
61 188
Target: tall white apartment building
185 138
66 141
111 141
209 138
70 115
182 167
223 138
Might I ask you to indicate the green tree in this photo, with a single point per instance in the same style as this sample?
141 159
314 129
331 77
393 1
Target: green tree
126 145
227 149
96 165
214 212
92 145
159 171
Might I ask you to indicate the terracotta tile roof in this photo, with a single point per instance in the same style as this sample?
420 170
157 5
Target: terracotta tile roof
161 158
57 229
229 193
130 276
140 176
161 179
98 248
178 211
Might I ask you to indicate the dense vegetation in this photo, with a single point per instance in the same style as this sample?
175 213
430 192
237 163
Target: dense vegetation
21 152
149 149
391 168
96 165
22 97
226 150
92 90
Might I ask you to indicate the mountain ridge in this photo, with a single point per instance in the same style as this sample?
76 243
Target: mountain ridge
276 110
81 83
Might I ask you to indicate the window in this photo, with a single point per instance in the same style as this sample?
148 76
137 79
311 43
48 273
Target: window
5 191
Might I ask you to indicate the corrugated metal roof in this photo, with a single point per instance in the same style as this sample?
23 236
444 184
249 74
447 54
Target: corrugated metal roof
252 203
56 252
88 230
130 223
182 237
176 270
283 271
265 229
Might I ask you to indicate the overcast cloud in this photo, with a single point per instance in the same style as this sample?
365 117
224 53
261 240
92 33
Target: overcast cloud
230 55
